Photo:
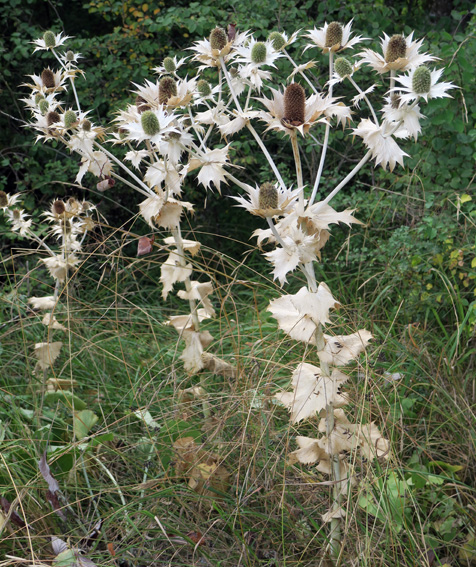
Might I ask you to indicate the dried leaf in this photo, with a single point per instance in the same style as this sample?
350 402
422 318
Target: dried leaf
47 353
43 303
50 321
340 350
145 245
338 512
53 485
14 517
218 366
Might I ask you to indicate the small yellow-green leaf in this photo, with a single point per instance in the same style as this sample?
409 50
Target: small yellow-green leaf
83 422
473 262
465 198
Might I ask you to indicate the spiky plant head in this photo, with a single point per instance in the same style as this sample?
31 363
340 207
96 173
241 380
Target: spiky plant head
277 40
58 207
169 64
38 97
334 34
233 72
3 200
16 214
342 67
70 118
218 38
49 39
52 117
294 104
268 196
69 55
203 87
396 48
48 78
421 81
167 89
86 125
258 52
43 106
150 123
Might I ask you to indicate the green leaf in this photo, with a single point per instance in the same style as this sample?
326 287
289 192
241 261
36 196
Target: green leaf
67 397
83 422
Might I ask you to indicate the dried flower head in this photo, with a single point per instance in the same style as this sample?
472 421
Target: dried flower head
218 38
141 104
396 48
169 64
334 34
48 78
268 196
167 89
294 105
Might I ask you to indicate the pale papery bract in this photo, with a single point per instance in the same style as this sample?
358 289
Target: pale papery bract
318 37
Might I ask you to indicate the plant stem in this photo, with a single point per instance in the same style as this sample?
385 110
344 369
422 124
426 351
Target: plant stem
326 137
360 91
297 161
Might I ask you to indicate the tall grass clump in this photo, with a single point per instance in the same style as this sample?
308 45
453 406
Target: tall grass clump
187 447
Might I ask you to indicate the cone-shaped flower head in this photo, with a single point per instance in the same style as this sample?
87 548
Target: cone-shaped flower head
49 39
334 34
277 40
218 38
58 207
52 117
268 196
294 105
342 67
421 80
203 87
258 53
69 118
3 200
396 49
43 106
70 56
48 78
167 89
150 123
169 65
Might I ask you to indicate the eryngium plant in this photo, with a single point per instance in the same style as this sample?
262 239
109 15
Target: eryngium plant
173 132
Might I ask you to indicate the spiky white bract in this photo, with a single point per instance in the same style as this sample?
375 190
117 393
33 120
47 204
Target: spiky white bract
411 60
212 164
408 116
209 57
299 315
135 129
269 55
312 392
286 200
407 93
38 86
177 63
383 147
318 38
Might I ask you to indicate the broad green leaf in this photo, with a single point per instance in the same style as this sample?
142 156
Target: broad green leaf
83 421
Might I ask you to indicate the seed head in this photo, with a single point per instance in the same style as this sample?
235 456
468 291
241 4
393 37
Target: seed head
52 117
258 52
49 39
167 89
86 125
141 104
16 213
38 97
3 200
203 87
218 38
48 78
58 207
69 55
396 48
395 101
277 40
169 64
342 67
421 82
43 106
268 196
69 118
294 105
333 34
150 123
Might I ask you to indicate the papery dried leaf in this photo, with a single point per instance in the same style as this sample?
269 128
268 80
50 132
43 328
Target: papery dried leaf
173 270
184 322
309 451
218 366
192 354
53 485
338 512
50 321
312 392
92 535
47 353
54 384
105 184
340 350
43 303
188 245
373 445
299 315
145 245
200 292
69 557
